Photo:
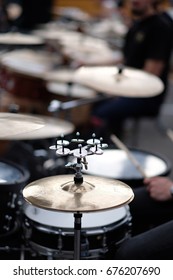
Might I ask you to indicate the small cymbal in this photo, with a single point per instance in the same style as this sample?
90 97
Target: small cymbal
60 193
112 80
53 127
12 125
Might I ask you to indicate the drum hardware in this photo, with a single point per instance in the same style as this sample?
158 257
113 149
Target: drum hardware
56 106
119 81
78 195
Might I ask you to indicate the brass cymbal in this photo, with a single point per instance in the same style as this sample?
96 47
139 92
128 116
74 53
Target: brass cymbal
75 90
12 125
17 38
29 62
53 127
60 193
117 81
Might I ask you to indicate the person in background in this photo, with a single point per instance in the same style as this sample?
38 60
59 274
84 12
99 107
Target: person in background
148 47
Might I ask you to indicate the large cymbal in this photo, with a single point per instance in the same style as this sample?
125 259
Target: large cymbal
127 82
53 127
12 125
60 193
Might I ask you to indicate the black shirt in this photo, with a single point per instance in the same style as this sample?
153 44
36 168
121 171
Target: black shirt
150 38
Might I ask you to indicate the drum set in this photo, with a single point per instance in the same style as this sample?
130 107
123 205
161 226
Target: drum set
84 215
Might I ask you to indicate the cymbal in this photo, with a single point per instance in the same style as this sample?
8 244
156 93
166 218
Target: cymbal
127 82
29 62
17 38
77 91
89 56
53 127
13 125
60 193
72 13
63 75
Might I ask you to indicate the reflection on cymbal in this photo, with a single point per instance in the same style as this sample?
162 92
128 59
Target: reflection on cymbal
12 125
112 80
60 193
53 127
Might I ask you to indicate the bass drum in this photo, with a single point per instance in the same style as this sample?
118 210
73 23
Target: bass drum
51 234
12 179
114 164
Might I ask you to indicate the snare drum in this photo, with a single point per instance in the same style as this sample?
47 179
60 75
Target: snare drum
114 164
12 179
51 234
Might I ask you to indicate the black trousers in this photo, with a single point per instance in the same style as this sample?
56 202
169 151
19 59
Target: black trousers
152 229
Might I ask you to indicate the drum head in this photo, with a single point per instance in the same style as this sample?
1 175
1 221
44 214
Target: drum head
114 163
66 220
12 176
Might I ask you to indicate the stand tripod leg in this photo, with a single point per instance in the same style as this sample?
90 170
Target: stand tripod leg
77 237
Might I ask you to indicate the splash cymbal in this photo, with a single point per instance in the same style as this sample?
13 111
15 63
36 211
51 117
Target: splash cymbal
117 81
12 125
53 127
61 193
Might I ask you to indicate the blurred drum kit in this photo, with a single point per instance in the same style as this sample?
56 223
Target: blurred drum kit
65 216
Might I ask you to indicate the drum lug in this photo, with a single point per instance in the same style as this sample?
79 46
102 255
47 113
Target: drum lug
27 230
8 222
12 204
104 241
84 245
60 243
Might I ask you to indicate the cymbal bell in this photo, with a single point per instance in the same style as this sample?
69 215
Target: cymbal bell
12 125
117 81
61 193
53 127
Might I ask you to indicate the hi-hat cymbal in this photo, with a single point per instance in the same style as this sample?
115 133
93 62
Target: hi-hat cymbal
53 127
117 81
13 125
60 193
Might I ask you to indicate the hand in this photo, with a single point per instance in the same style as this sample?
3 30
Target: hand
159 188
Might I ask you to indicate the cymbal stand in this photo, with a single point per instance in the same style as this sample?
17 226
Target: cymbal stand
93 146
77 235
